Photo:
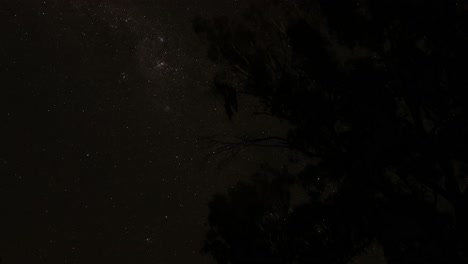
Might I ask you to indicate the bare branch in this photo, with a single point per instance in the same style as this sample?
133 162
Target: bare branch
234 147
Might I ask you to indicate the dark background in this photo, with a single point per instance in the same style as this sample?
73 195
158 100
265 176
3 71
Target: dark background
283 132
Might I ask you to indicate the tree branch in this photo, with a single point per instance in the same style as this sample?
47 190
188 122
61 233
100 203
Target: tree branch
267 142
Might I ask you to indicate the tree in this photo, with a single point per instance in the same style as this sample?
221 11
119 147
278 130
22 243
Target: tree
374 91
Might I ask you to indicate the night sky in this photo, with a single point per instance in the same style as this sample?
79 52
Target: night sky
233 131
107 108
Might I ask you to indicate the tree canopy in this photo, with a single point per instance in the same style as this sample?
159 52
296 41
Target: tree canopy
374 91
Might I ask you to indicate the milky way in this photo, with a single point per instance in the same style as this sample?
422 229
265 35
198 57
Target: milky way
106 108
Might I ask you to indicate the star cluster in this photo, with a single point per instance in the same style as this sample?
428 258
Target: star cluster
106 108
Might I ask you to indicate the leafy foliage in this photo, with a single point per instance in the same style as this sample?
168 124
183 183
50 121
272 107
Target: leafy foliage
374 90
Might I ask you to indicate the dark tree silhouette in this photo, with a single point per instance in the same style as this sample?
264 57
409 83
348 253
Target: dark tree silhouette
374 90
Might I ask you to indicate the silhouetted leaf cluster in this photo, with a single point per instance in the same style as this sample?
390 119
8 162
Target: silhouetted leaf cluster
376 91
